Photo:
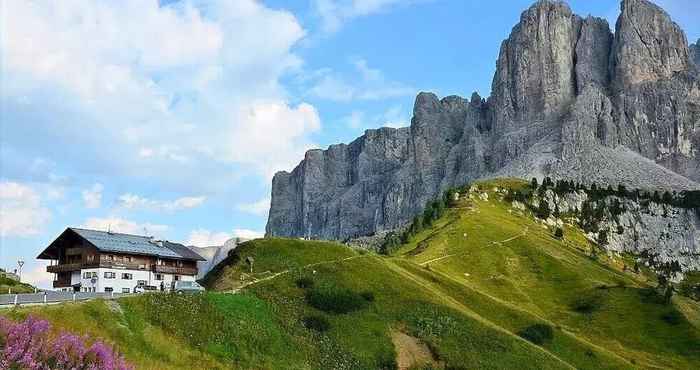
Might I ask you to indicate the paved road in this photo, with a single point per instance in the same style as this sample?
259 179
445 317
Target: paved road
53 297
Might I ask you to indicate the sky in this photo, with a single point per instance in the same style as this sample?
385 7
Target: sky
169 118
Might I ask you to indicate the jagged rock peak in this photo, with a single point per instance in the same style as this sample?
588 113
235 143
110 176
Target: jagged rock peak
593 53
648 45
695 52
535 76
569 100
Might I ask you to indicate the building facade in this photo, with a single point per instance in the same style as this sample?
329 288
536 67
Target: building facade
98 261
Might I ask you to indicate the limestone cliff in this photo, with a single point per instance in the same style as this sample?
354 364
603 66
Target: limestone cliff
569 100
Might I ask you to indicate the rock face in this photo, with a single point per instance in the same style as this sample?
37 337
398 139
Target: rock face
695 53
569 100
648 45
671 232
214 255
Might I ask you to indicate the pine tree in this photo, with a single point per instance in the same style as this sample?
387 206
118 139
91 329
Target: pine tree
543 211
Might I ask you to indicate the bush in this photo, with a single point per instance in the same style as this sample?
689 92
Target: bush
588 303
559 233
368 296
334 299
305 282
672 317
392 241
538 334
387 361
316 323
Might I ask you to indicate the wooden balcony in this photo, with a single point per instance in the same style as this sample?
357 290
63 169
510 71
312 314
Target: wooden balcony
66 267
175 270
61 283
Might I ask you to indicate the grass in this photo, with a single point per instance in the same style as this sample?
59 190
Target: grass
486 287
10 285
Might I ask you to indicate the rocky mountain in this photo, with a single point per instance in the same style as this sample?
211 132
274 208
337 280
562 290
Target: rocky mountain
215 254
695 52
570 100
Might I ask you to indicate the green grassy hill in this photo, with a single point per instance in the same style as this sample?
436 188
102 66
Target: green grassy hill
8 285
486 286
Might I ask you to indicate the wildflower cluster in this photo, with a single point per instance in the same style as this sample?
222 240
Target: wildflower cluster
30 345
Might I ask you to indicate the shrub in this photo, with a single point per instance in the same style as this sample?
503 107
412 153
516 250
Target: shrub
316 323
29 345
587 303
538 334
334 299
392 241
387 361
368 296
543 211
559 233
305 282
672 317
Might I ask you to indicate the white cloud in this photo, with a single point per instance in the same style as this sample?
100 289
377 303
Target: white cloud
38 276
167 89
369 84
273 136
393 117
131 201
334 13
93 197
259 208
247 234
21 211
355 120
121 225
205 238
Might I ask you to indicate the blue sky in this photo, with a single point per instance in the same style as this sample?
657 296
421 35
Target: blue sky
170 118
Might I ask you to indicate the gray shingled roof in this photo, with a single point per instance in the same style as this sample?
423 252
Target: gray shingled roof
135 244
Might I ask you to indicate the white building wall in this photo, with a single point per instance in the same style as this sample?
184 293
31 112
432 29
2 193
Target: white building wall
98 282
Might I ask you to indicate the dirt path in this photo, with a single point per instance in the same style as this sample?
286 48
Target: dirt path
256 281
459 306
461 253
410 351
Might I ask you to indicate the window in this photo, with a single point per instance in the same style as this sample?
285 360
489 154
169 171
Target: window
111 257
89 275
159 276
125 290
108 289
176 277
110 275
126 276
91 257
127 259
141 282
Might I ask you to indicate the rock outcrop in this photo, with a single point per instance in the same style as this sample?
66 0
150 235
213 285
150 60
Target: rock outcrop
695 53
671 232
570 100
214 255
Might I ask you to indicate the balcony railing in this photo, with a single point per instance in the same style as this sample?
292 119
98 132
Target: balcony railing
61 283
175 270
161 269
66 267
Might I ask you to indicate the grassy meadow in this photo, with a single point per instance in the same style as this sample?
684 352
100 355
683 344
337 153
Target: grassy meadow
486 286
